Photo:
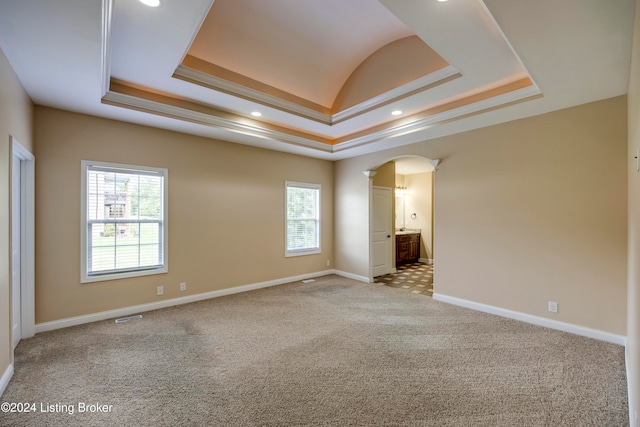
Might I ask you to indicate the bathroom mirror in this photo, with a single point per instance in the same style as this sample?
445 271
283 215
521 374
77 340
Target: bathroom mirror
400 223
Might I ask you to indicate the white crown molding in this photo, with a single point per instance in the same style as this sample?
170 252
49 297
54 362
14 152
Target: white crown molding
420 124
216 83
105 64
154 107
535 320
140 104
419 85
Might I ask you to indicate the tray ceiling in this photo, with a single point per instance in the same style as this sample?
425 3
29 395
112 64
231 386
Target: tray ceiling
324 75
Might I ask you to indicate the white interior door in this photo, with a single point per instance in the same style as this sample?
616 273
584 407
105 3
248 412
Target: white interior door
16 264
381 231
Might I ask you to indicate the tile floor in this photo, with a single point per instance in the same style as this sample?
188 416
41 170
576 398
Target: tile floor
416 278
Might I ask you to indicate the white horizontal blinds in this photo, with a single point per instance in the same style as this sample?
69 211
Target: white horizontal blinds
124 219
303 218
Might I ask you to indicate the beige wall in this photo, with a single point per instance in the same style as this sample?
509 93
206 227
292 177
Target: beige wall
633 298
226 212
525 212
16 112
385 176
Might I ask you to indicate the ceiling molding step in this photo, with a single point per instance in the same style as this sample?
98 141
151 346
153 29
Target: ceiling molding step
504 37
212 82
427 82
158 108
459 113
420 123
422 84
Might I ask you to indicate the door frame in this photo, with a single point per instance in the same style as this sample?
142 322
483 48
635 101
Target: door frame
370 174
27 236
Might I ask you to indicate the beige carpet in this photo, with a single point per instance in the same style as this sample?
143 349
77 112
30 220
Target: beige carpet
335 352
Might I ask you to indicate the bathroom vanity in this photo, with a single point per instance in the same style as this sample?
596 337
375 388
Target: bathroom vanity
407 246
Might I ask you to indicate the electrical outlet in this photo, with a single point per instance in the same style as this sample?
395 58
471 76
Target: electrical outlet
553 306
160 290
328 263
183 286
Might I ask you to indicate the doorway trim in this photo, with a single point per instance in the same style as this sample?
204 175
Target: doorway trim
27 236
370 173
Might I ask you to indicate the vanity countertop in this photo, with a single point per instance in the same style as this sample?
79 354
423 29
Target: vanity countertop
408 231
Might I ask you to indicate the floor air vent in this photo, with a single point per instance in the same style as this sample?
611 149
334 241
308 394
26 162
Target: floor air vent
126 319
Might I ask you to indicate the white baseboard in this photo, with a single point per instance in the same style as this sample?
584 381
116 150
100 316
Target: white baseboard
127 311
536 320
352 276
6 377
633 422
426 260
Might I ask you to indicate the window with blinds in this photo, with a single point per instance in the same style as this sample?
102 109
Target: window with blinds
303 219
124 216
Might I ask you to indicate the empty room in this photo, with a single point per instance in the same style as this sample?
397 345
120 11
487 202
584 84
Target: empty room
296 212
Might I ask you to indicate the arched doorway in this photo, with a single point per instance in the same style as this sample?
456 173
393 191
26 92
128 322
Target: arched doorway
410 181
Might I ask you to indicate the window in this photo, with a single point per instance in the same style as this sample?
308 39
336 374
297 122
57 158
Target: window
303 219
124 221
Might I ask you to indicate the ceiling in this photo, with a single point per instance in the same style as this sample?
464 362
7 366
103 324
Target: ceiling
274 47
324 75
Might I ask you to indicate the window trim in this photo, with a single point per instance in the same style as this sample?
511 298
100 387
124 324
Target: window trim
84 274
301 252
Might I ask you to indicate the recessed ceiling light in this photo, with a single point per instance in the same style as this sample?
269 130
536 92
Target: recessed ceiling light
256 113
396 113
442 0
152 3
